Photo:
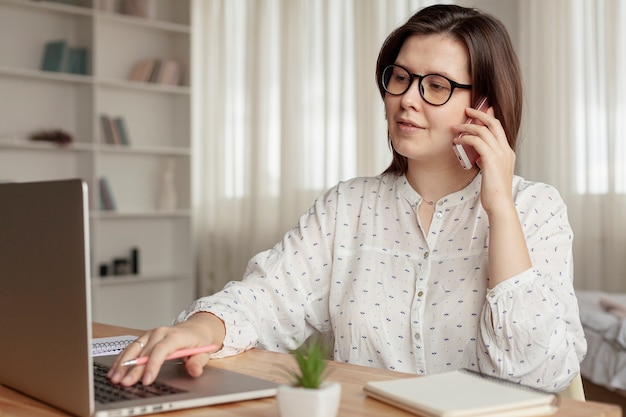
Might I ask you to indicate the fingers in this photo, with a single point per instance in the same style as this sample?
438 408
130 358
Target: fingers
485 134
195 364
118 373
158 344
148 372
155 344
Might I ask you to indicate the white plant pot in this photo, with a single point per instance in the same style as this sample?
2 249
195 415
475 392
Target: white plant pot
308 402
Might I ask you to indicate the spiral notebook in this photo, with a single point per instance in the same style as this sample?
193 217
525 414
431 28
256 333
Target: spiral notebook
463 393
105 346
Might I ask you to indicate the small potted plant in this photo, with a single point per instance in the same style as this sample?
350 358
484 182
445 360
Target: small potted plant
309 395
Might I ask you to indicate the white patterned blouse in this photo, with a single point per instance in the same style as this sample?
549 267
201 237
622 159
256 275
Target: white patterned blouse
359 268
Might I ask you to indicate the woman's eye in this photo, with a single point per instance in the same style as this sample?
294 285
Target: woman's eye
401 78
436 87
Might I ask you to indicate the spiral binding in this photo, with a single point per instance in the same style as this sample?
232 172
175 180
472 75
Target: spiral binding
110 346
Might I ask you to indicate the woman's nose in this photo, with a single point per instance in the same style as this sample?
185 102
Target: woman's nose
412 97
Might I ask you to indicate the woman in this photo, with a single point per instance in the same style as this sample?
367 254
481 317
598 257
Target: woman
428 267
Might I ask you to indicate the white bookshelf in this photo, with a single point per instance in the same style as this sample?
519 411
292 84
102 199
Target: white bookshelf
158 121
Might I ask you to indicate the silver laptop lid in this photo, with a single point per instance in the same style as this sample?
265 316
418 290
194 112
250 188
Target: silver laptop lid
45 311
44 257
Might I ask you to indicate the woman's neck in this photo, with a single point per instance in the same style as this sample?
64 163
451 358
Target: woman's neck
434 183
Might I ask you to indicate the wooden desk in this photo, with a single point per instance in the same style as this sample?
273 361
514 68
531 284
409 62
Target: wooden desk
270 365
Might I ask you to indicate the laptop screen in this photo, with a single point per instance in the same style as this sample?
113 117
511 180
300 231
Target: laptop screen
44 292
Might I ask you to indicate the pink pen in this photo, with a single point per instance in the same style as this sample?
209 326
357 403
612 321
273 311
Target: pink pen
181 353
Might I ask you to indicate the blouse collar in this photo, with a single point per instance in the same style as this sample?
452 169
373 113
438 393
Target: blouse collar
469 193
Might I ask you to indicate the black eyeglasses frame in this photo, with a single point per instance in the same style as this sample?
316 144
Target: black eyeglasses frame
412 77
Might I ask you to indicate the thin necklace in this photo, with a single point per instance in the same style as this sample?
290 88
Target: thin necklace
432 203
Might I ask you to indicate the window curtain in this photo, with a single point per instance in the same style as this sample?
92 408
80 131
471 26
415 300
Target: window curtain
289 107
573 54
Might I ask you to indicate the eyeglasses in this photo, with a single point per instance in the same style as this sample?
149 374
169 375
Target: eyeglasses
435 89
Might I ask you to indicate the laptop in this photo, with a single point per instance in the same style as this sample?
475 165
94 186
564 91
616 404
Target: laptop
45 311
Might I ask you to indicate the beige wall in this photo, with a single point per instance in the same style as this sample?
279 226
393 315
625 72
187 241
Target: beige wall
505 10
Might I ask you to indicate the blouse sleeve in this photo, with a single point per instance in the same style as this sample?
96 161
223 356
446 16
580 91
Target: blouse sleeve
530 326
283 296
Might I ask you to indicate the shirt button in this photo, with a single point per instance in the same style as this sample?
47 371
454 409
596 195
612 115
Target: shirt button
440 203
417 335
420 293
426 255
439 214
492 294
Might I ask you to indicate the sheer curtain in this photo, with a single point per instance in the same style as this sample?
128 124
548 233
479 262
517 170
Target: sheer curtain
573 54
289 108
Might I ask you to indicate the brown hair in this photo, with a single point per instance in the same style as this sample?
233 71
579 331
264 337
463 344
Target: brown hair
494 67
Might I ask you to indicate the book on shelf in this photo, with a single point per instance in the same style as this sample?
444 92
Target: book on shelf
54 55
114 130
107 202
120 126
157 71
154 74
462 393
109 130
142 70
77 61
58 56
170 72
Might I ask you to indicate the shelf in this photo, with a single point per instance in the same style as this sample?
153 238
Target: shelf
144 22
138 215
143 150
158 125
55 77
50 7
26 145
48 76
137 279
142 86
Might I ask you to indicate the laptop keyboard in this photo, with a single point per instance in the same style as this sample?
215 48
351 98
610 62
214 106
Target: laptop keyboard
107 392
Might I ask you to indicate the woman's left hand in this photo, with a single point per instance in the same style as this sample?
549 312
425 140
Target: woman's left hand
496 158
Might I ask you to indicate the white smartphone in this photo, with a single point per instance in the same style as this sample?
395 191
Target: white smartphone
467 154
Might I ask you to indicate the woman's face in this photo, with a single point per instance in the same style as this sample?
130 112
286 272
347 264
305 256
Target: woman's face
420 131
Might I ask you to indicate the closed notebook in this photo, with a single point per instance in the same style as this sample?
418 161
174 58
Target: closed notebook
462 393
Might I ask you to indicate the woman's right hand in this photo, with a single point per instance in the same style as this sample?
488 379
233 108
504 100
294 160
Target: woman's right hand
201 329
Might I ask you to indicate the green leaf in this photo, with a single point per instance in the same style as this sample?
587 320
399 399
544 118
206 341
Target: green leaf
311 358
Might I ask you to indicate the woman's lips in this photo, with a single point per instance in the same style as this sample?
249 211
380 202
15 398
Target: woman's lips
407 126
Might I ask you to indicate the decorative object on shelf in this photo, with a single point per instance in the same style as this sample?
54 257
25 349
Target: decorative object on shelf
108 6
139 8
134 261
122 265
168 197
104 269
56 136
107 201
309 395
